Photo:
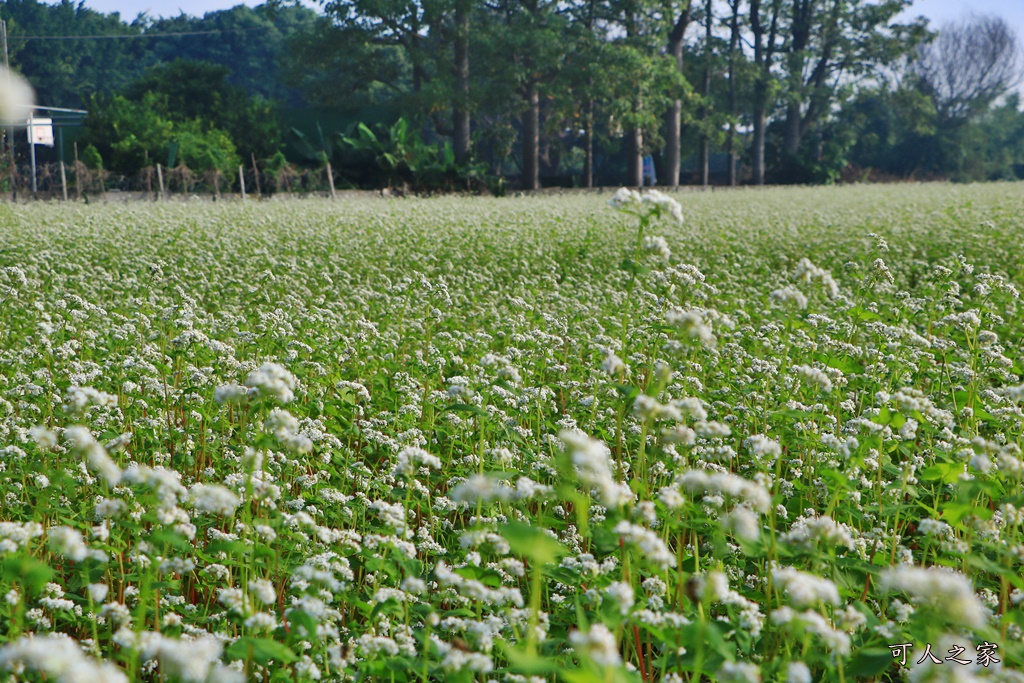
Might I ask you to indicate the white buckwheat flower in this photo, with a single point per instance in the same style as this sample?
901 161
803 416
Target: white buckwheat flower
948 591
739 672
67 542
273 380
650 543
803 589
83 443
214 499
598 644
411 458
592 460
59 658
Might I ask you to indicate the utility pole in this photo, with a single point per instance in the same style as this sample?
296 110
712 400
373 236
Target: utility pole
32 147
10 129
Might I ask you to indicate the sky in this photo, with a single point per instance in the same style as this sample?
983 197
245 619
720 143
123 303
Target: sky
130 9
938 11
942 11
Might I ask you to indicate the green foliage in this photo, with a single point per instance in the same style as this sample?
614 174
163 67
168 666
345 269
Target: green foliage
400 157
898 134
204 149
131 135
594 69
67 73
196 91
92 158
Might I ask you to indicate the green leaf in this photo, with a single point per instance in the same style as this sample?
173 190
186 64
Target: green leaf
713 634
947 472
232 548
531 542
870 662
523 662
867 316
628 392
576 676
795 414
171 539
32 573
302 620
844 363
466 408
953 512
261 650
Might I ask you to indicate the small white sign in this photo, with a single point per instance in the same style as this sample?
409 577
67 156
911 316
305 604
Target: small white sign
40 132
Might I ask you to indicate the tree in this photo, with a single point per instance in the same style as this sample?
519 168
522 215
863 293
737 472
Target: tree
339 67
830 40
65 73
461 131
895 132
704 151
631 18
765 42
733 69
522 54
968 67
650 80
132 134
251 42
673 120
425 46
585 82
200 91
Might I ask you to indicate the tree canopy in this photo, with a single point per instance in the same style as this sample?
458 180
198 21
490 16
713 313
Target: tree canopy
576 92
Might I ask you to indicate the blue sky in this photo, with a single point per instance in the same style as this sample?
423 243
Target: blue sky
941 11
936 10
129 9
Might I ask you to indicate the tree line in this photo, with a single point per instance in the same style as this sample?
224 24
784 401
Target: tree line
452 93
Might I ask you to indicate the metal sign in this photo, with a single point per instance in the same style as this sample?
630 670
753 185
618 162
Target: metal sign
40 132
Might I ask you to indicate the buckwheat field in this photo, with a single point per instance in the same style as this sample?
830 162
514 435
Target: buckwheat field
772 436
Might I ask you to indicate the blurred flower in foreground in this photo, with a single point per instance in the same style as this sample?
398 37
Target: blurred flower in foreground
16 96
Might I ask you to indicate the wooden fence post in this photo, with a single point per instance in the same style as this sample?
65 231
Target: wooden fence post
256 174
78 176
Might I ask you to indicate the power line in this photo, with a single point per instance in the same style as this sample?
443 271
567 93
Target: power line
142 35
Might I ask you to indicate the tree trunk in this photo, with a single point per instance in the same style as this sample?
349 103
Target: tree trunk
733 160
800 37
460 112
703 160
763 53
673 143
705 109
588 146
634 136
531 138
673 119
791 138
760 123
734 36
634 158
